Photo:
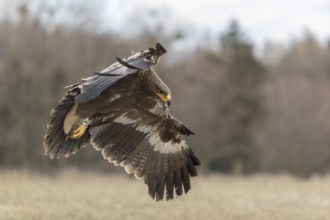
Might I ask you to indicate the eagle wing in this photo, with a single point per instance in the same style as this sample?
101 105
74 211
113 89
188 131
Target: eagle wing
89 92
148 142
93 86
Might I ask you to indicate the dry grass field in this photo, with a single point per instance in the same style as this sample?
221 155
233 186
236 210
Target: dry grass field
77 196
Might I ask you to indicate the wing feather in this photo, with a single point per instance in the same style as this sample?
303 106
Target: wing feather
177 180
151 147
185 179
93 86
141 169
169 178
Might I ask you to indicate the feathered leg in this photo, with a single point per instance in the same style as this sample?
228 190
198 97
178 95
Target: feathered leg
61 140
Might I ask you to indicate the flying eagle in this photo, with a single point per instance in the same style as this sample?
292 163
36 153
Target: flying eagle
123 111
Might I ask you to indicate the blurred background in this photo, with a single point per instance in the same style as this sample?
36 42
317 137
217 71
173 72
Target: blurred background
251 79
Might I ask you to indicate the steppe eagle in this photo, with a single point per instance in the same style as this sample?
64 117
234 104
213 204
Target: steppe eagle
123 111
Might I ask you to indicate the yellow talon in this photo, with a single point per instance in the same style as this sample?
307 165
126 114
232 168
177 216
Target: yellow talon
78 132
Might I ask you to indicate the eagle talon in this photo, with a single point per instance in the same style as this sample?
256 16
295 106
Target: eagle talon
78 132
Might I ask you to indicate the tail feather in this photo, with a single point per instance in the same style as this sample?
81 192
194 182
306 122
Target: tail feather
56 142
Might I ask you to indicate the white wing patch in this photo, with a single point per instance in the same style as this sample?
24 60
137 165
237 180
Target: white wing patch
154 139
123 119
166 147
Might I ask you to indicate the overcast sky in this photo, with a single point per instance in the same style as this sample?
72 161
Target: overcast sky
276 20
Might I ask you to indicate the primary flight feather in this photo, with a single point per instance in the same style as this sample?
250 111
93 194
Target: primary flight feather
123 111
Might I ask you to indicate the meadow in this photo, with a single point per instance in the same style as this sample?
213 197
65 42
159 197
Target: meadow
83 196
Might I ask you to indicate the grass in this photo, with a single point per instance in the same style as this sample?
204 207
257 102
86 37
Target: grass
77 196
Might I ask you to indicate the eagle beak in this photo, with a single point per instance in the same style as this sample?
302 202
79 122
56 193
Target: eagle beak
166 98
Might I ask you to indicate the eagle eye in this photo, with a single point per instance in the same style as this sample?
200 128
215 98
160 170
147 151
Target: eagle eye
160 92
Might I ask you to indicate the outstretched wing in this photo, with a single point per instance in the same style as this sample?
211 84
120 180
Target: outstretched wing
147 141
93 86
113 86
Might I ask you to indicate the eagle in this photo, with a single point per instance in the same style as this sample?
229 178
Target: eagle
123 111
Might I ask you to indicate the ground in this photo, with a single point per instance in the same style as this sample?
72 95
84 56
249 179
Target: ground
76 196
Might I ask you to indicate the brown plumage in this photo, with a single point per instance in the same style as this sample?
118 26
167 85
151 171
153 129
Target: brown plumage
123 111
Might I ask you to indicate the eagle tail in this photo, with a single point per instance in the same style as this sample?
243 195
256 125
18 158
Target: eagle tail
56 142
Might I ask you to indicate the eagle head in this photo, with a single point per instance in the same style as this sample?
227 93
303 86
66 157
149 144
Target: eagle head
164 95
157 88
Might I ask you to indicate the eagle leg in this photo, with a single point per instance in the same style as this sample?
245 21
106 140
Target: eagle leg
78 131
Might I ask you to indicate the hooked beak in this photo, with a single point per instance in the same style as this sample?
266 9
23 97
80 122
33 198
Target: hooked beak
167 99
